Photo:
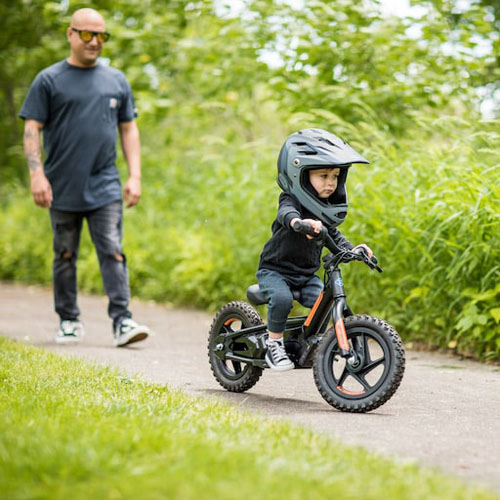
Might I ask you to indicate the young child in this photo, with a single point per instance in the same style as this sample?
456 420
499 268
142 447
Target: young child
312 169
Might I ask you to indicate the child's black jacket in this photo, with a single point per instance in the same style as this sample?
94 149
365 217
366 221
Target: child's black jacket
293 253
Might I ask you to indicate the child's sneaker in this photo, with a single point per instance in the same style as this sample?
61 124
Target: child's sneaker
69 331
276 356
128 331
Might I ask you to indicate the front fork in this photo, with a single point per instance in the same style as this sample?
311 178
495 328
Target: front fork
338 321
338 317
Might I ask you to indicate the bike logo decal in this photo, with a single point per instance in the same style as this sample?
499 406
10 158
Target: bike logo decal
339 282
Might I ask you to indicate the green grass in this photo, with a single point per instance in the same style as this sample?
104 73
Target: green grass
73 430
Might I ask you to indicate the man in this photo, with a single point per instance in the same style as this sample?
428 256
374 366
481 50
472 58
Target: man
79 104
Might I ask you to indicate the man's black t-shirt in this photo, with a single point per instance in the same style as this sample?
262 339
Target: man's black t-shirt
292 253
80 109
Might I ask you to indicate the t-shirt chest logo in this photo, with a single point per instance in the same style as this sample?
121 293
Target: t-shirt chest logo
113 103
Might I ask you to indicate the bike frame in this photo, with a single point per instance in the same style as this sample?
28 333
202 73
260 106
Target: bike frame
303 330
331 300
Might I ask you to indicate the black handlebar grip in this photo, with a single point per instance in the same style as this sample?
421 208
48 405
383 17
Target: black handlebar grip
303 227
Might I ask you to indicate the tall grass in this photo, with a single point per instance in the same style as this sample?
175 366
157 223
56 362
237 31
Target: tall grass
428 205
431 209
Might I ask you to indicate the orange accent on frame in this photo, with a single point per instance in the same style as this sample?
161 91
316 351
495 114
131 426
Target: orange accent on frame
313 310
341 335
229 321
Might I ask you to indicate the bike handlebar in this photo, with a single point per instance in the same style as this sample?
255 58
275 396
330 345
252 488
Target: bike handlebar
359 253
301 226
371 262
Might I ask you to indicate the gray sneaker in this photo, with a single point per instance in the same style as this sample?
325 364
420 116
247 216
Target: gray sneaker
276 357
69 331
128 331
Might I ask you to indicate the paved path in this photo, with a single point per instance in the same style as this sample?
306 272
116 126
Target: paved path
445 413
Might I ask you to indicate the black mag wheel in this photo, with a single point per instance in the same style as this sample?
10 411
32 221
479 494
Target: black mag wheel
232 375
373 378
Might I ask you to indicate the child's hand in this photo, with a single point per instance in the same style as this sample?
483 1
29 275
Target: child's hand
366 247
317 226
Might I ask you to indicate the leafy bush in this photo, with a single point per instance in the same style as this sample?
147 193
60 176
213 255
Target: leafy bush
431 208
428 205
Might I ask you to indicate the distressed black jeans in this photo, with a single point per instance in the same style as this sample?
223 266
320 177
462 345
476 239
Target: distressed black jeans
105 227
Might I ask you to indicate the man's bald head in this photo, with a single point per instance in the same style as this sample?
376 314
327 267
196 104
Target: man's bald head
85 16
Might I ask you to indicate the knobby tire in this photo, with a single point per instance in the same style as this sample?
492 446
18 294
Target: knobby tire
244 376
360 329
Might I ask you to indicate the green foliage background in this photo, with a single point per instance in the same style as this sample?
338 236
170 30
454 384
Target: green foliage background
213 116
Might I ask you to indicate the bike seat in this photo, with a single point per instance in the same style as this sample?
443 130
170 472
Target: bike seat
255 296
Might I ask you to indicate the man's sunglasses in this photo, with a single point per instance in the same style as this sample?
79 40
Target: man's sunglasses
86 35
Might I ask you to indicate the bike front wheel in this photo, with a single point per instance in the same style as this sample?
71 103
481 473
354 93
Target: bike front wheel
374 376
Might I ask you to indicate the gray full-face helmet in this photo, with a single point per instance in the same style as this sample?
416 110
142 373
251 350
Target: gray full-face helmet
310 149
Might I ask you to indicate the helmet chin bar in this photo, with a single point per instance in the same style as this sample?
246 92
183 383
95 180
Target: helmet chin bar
331 215
332 211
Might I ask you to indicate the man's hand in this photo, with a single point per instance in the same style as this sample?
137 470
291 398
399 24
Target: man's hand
132 192
131 145
41 189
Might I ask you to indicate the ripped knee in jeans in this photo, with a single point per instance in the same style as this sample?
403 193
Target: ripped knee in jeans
119 257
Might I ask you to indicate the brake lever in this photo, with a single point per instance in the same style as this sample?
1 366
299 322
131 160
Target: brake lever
371 262
359 254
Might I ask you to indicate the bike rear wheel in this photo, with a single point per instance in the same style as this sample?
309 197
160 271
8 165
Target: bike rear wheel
235 376
375 376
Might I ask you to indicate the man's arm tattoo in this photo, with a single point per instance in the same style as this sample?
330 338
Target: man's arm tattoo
32 148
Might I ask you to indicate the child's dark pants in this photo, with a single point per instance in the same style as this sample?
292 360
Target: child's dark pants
277 288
